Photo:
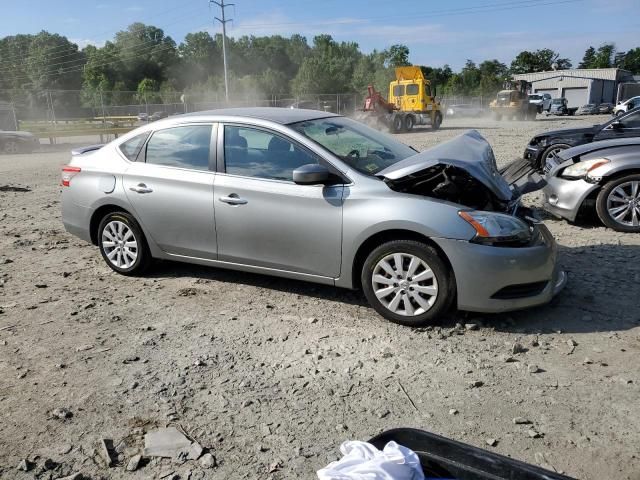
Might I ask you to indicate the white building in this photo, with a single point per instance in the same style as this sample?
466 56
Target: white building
580 86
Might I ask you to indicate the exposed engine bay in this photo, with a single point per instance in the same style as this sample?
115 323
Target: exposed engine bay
453 184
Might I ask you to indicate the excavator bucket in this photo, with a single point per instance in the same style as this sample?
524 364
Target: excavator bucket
409 73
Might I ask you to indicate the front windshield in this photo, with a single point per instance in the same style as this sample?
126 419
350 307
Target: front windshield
362 148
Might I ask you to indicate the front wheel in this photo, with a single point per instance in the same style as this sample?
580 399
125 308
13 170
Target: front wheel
407 283
11 147
122 244
618 204
552 151
437 121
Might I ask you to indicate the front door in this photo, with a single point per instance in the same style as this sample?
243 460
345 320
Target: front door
264 219
626 126
171 190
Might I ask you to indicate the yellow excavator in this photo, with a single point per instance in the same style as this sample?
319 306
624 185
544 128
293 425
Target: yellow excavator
411 102
513 102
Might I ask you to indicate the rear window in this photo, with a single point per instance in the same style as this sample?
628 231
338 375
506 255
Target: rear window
131 148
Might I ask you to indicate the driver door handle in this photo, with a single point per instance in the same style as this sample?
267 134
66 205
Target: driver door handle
233 199
141 188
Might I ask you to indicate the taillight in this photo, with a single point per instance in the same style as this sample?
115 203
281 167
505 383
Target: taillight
68 172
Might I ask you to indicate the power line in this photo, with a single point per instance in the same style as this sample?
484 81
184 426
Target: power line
487 8
224 21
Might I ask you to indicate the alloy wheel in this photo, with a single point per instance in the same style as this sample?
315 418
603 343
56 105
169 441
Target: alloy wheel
119 244
404 284
554 152
11 147
623 203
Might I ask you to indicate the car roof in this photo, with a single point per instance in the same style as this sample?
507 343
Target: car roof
283 116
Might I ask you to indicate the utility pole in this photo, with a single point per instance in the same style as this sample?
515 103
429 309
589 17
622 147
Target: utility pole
224 21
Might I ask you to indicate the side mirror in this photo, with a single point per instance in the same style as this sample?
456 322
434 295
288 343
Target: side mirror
311 174
617 125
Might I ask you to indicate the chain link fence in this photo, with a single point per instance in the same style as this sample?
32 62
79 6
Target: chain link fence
56 114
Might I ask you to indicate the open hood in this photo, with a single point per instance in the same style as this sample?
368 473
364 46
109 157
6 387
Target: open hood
452 171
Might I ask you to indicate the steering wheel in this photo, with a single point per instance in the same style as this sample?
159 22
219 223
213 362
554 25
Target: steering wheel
354 153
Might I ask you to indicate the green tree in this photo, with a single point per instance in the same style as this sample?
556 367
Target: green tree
538 61
398 55
589 58
631 61
604 56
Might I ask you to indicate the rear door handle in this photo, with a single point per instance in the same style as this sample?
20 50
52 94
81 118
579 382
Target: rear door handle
141 188
233 199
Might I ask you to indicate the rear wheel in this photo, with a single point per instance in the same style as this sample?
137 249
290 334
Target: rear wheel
122 244
618 204
409 122
619 113
407 282
437 121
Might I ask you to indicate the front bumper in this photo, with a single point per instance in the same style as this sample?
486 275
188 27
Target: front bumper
563 198
484 273
532 153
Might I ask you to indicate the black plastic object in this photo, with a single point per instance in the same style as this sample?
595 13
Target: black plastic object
444 458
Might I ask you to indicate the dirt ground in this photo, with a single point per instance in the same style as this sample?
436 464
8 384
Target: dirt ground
273 375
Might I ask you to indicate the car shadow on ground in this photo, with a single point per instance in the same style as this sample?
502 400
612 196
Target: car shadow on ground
591 302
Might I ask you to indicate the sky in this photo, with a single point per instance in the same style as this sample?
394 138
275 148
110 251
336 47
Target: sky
436 32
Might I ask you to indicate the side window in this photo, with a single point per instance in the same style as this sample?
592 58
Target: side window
412 89
631 121
398 90
131 148
185 147
256 153
427 90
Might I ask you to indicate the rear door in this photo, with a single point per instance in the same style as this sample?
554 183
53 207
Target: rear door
263 218
170 188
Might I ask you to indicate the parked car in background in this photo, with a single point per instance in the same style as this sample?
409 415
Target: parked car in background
541 100
143 117
18 142
605 108
316 196
560 106
623 107
588 109
604 176
465 110
158 116
542 146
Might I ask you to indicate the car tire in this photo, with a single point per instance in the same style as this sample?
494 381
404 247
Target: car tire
422 300
619 113
555 148
610 198
11 147
397 123
122 244
409 122
437 121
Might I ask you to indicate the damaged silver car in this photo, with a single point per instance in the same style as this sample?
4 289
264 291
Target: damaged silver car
315 196
602 176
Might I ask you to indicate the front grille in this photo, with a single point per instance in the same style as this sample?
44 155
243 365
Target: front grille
522 290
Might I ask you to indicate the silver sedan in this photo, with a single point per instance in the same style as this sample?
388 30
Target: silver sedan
604 176
315 196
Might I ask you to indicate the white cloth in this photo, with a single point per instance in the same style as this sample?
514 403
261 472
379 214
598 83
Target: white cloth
363 461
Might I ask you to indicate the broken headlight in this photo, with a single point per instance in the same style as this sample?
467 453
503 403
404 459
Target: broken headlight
581 169
497 229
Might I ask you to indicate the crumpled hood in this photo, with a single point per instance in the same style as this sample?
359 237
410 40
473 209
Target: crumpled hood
468 151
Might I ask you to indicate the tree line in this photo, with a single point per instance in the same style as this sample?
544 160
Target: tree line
143 60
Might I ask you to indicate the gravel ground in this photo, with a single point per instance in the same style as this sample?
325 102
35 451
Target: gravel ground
272 375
